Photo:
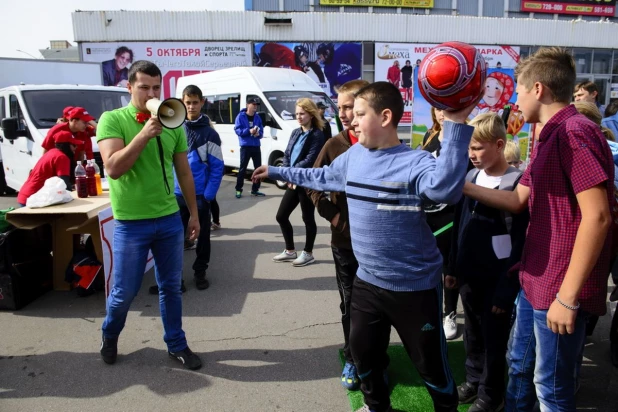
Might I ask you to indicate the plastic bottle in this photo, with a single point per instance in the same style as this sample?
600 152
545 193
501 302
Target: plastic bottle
81 182
97 175
91 179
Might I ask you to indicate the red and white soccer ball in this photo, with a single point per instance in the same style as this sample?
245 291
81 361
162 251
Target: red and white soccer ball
452 75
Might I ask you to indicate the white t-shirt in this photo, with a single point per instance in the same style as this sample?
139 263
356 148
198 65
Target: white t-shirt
490 182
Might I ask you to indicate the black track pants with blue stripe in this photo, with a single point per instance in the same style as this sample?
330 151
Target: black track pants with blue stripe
417 317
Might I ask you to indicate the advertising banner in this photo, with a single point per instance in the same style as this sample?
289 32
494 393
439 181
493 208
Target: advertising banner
583 7
175 59
421 4
499 92
329 64
398 63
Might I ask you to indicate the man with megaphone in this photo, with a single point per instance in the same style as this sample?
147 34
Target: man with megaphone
139 145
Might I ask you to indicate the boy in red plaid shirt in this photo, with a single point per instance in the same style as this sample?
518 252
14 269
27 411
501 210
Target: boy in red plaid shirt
568 189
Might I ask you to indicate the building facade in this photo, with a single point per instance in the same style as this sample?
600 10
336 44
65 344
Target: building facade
592 38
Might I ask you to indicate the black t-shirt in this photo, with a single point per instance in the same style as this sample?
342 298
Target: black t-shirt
406 76
250 121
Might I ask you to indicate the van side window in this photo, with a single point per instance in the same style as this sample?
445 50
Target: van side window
222 109
2 108
15 111
262 108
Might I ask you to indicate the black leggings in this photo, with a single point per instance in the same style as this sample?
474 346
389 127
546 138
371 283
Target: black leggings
436 221
214 209
291 199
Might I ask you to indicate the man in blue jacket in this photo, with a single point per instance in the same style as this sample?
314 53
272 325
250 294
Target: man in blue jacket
206 162
249 128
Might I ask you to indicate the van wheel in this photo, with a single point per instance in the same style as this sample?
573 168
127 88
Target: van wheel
280 183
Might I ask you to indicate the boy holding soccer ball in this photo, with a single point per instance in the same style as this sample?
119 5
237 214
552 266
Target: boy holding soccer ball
400 268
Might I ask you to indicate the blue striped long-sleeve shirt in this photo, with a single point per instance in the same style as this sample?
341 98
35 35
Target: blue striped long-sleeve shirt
385 189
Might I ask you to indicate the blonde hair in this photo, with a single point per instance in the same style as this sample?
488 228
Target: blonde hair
310 107
592 112
352 86
488 127
553 67
512 153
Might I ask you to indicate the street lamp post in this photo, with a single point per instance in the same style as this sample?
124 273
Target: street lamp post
21 51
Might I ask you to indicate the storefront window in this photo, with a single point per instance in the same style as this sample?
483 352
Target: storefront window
583 58
615 69
601 62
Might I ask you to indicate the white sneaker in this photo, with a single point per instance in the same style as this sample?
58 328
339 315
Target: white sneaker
285 256
303 260
450 326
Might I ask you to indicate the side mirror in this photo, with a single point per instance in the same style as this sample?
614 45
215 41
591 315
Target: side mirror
273 133
10 128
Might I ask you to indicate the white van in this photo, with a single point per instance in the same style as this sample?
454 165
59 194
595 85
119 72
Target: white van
27 112
278 90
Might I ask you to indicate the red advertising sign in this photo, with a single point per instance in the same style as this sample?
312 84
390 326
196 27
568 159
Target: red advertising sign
583 7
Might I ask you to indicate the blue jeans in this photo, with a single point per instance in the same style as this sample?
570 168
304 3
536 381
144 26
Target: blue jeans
132 240
542 361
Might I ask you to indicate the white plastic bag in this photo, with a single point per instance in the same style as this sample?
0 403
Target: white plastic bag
53 192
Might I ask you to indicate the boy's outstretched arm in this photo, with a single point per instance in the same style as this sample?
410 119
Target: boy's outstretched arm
328 178
512 201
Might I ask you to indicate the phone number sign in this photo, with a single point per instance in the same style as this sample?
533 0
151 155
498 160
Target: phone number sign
424 4
584 7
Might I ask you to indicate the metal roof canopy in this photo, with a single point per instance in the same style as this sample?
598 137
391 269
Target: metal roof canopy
114 26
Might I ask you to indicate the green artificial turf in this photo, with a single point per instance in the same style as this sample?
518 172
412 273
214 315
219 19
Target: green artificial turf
408 391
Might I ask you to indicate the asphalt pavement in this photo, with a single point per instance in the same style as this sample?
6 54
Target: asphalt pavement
268 334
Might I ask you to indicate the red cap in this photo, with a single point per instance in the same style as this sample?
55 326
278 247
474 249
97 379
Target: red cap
66 111
67 137
80 113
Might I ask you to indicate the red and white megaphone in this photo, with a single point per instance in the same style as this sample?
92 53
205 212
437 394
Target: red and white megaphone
171 112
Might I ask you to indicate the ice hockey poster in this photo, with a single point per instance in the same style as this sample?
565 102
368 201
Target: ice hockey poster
329 64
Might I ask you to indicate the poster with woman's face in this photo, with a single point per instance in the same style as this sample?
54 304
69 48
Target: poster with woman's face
499 92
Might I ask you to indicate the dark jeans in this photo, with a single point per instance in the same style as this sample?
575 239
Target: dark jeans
203 240
291 199
216 212
346 267
247 153
417 317
486 337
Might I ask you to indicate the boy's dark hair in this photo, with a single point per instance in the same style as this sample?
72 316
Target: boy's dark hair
146 67
381 96
553 67
122 50
192 90
588 86
611 109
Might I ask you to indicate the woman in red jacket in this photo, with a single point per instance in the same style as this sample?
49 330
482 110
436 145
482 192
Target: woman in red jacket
56 162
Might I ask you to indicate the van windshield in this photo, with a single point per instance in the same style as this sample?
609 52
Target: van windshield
284 103
45 106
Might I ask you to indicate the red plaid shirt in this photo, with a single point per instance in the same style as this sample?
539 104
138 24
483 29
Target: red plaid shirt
570 157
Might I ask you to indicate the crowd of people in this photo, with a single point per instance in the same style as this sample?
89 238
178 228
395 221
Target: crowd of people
529 252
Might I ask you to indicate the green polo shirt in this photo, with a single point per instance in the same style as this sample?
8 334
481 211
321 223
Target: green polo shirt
141 192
